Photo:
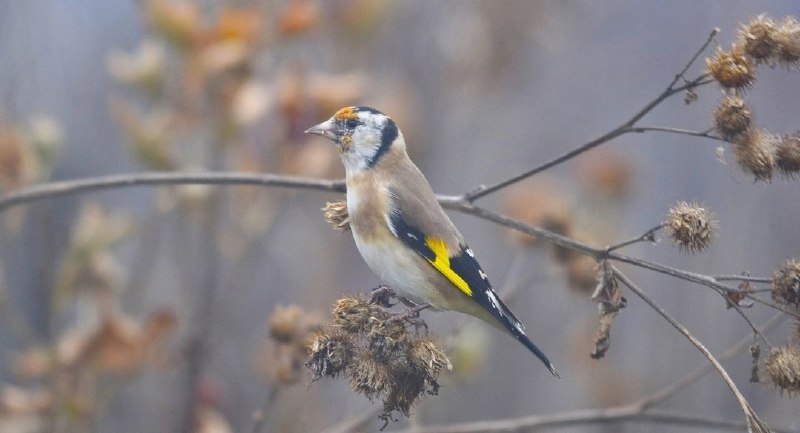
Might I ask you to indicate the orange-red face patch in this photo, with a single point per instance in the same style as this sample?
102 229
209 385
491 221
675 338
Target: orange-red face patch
346 114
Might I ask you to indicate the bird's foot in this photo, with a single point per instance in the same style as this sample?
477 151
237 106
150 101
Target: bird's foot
382 296
410 316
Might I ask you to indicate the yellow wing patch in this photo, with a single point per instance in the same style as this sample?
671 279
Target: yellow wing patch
346 113
441 262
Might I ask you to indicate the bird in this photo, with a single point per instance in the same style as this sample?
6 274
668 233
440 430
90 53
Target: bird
401 230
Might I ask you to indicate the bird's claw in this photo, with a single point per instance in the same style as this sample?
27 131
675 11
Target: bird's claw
382 296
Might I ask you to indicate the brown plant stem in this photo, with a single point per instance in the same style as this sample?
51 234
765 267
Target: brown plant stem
624 128
754 424
612 415
695 375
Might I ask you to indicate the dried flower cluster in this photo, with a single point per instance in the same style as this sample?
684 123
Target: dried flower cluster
609 301
692 227
336 215
762 41
783 367
380 352
732 69
786 284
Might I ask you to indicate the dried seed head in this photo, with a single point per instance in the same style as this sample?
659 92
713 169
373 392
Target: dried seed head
330 353
370 377
691 226
787 36
387 339
787 155
732 117
352 314
336 215
424 355
783 366
408 387
786 283
732 69
755 153
284 323
759 39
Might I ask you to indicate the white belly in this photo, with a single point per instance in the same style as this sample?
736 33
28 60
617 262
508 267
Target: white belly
395 265
398 266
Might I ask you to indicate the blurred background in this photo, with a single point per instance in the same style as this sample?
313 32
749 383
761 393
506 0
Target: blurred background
155 309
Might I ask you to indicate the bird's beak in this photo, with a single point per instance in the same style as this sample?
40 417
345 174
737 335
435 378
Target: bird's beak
325 129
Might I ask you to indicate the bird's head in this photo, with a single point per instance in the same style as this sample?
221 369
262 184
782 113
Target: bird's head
362 135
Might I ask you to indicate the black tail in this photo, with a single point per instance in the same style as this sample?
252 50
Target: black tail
517 329
533 348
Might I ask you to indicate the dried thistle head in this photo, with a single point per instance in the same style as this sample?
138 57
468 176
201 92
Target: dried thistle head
370 377
387 339
783 367
787 155
732 69
787 37
755 153
786 283
424 355
353 313
380 354
284 323
759 39
336 215
330 352
691 226
732 117
408 388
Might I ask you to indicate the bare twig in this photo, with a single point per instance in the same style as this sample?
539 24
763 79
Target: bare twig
754 424
69 187
610 415
648 236
625 128
695 375
747 278
703 134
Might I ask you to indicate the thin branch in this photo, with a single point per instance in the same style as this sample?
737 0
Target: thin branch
69 187
747 278
695 375
753 423
616 132
714 32
703 134
610 415
648 236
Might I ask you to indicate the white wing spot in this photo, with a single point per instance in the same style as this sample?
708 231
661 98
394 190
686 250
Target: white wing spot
482 274
470 253
493 300
411 235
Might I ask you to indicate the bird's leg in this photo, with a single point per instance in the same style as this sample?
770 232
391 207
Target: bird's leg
382 295
411 315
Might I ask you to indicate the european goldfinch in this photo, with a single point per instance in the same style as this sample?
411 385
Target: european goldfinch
400 229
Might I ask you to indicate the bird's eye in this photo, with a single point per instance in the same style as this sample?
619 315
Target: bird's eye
352 123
